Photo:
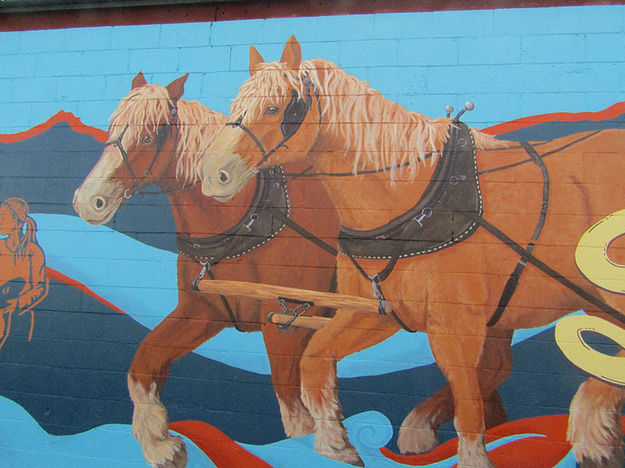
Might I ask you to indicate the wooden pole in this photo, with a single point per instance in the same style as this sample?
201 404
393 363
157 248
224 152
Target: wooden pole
272 292
313 323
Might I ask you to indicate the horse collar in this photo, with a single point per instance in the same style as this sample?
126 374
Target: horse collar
434 223
257 226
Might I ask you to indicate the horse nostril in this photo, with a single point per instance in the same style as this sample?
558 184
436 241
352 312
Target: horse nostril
99 203
224 177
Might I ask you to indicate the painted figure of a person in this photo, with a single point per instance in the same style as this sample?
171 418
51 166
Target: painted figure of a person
23 280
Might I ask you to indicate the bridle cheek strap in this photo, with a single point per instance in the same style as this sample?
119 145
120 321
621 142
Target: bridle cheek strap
292 118
161 137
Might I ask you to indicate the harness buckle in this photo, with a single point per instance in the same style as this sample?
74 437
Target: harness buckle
455 179
425 213
378 294
253 219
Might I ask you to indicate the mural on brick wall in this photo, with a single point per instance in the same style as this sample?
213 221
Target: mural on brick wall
432 287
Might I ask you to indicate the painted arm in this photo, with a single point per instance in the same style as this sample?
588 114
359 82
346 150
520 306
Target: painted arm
38 289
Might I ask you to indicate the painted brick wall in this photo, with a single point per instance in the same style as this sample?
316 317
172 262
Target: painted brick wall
64 392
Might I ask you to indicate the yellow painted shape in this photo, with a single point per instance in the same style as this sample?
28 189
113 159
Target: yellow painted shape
568 334
591 254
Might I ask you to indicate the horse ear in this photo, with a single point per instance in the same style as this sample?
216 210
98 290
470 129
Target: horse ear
255 60
138 81
292 53
176 87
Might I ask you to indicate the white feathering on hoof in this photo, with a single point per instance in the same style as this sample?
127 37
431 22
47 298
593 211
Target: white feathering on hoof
151 428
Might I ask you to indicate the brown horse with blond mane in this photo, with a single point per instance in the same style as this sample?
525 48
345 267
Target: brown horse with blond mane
387 171
154 139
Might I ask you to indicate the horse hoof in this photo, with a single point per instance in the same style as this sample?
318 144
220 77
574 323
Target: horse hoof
179 459
416 440
168 453
347 454
473 454
416 435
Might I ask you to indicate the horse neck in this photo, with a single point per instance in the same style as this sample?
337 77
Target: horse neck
199 216
195 214
367 201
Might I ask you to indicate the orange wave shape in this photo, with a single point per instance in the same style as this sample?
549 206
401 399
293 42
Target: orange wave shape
76 124
537 452
61 116
221 449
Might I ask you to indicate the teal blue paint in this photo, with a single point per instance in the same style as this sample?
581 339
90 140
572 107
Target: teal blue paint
25 443
544 59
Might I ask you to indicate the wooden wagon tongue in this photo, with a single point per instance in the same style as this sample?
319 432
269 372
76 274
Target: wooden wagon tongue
272 292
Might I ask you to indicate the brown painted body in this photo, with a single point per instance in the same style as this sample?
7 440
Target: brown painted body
286 260
349 127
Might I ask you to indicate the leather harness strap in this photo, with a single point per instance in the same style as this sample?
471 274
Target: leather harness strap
256 227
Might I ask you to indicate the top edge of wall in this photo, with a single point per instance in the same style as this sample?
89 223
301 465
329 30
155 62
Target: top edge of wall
55 14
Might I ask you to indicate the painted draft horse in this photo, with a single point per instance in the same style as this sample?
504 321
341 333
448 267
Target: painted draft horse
422 212
153 138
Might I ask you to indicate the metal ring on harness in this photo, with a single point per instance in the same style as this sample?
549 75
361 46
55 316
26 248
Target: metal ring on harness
299 310
195 285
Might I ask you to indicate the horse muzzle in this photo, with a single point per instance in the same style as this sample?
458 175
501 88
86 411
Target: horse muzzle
97 207
223 176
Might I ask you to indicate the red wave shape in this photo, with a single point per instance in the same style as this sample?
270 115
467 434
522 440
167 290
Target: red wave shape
61 116
606 114
221 449
537 452
58 276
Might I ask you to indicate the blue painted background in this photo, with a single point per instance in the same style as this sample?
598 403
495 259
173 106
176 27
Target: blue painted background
510 62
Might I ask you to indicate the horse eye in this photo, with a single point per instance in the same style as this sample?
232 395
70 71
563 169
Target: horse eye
272 110
224 177
146 139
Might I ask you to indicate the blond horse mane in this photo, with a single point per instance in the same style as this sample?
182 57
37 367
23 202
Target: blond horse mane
147 107
375 131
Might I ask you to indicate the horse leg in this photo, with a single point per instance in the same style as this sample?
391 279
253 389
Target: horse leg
457 343
595 429
177 335
347 333
285 351
418 432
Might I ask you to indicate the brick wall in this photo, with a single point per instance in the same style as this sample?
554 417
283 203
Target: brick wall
70 378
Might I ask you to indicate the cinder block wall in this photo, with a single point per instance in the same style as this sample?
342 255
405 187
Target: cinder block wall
64 394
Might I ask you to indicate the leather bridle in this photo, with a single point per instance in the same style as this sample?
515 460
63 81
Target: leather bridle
162 133
292 118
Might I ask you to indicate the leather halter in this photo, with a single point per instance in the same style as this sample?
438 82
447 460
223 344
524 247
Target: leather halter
161 138
292 118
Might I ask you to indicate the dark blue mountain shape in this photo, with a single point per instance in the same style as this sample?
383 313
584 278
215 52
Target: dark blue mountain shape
556 129
46 169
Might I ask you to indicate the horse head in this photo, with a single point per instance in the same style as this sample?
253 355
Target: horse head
140 147
275 120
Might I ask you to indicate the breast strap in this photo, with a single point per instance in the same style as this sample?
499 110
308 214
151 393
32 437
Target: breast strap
433 223
257 226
